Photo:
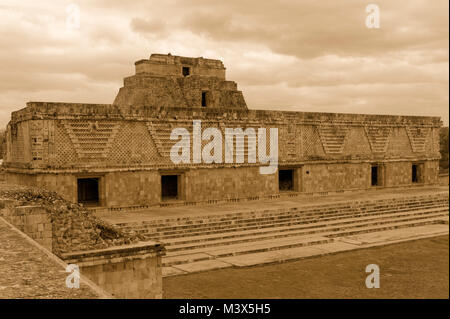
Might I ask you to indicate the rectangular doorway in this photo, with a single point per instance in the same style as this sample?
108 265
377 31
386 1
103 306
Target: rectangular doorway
417 173
204 96
169 187
88 191
285 180
414 174
374 175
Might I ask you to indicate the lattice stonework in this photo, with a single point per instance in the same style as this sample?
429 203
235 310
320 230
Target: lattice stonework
417 137
378 137
133 144
244 148
289 141
333 138
92 139
65 153
160 132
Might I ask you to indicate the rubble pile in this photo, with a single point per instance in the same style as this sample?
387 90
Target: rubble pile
75 228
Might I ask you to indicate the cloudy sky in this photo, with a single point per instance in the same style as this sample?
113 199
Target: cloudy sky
304 55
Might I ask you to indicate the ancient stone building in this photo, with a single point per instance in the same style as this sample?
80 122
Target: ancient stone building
118 155
173 81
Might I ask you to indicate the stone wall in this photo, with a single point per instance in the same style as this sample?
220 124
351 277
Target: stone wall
64 184
113 139
33 221
333 177
126 271
219 184
400 173
133 271
170 65
431 174
143 187
443 179
132 188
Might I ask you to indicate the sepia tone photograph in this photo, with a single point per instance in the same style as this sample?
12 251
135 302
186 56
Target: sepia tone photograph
243 151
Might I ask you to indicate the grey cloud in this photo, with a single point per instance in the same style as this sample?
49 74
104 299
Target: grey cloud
153 26
295 55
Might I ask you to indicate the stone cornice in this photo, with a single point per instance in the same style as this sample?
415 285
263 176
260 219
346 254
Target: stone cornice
159 166
73 111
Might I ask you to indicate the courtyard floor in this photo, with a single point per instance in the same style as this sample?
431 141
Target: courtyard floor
415 269
28 271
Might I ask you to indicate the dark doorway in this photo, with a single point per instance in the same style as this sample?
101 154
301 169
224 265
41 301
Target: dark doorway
286 179
204 99
88 192
414 175
169 187
186 71
374 176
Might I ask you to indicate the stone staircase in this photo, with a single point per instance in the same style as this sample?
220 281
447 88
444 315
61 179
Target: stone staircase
196 238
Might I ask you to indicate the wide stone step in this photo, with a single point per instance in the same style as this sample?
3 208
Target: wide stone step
269 212
291 222
315 228
286 214
297 218
287 229
181 257
244 248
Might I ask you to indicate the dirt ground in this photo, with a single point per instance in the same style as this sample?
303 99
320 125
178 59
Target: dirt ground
416 269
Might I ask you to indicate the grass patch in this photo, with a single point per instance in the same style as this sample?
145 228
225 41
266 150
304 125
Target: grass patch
416 269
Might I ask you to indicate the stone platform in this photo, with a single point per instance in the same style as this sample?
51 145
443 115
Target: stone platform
252 233
179 212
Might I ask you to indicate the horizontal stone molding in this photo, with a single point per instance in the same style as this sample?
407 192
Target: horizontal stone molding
54 110
127 252
96 169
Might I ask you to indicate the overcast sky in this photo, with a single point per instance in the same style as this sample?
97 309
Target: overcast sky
292 55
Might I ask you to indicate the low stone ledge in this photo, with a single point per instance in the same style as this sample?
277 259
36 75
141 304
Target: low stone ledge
141 248
443 179
131 271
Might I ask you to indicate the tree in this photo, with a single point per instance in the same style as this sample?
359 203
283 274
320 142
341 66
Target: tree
443 138
2 142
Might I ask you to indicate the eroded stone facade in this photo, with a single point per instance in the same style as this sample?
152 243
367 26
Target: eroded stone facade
125 146
174 81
